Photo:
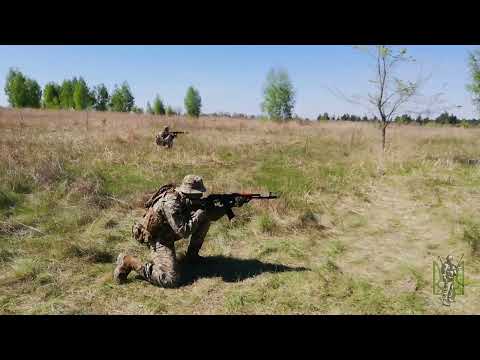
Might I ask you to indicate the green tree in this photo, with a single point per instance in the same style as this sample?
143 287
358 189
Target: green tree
101 98
137 110
51 96
446 118
158 107
22 91
278 95
404 119
474 86
193 102
81 95
149 109
324 117
122 99
66 94
34 93
91 99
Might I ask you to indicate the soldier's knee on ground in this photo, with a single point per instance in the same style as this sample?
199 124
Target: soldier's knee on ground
160 277
167 279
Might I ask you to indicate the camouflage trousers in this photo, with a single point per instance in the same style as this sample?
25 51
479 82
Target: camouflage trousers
448 293
162 270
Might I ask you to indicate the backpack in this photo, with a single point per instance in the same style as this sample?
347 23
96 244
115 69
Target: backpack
142 231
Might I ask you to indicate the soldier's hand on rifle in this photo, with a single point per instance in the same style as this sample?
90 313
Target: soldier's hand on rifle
200 215
241 200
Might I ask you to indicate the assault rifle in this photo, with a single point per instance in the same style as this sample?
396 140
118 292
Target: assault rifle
175 133
228 201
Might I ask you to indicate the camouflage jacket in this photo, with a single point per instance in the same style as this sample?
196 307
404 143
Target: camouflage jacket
449 272
164 134
171 216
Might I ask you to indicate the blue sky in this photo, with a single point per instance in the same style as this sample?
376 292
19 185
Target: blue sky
230 78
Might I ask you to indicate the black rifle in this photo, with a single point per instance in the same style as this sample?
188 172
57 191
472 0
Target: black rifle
175 133
228 201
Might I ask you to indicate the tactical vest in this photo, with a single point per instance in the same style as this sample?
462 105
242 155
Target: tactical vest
152 221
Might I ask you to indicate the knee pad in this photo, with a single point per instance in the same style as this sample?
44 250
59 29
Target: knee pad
167 279
160 278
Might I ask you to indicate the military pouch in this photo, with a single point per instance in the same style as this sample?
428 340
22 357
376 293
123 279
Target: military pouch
157 195
140 234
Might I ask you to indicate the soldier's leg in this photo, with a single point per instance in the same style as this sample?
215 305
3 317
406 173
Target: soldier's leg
196 240
162 270
169 141
446 293
451 292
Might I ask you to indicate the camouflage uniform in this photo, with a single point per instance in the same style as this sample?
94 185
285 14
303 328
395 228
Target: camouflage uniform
165 138
449 272
171 218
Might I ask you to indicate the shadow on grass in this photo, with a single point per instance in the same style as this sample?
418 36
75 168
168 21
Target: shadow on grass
229 269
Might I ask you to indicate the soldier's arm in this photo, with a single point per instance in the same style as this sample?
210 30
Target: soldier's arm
182 224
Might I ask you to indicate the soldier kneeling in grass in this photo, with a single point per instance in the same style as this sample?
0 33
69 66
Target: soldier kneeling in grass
165 138
171 216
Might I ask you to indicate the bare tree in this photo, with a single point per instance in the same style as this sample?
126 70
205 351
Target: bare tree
391 94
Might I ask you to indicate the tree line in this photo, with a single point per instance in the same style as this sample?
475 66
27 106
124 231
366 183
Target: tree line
443 119
75 94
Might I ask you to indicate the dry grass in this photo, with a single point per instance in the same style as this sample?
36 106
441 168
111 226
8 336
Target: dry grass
352 232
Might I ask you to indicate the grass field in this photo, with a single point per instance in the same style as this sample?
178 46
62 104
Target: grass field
353 232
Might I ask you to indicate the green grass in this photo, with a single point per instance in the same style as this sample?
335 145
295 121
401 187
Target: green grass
318 249
26 268
266 224
471 233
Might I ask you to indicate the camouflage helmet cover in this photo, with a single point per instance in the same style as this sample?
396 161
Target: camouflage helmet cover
192 184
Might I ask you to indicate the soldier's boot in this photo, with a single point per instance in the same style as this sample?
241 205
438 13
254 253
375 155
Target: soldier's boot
445 299
196 242
125 264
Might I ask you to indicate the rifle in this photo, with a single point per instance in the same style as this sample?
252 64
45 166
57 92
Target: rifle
459 261
228 201
175 133
441 261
